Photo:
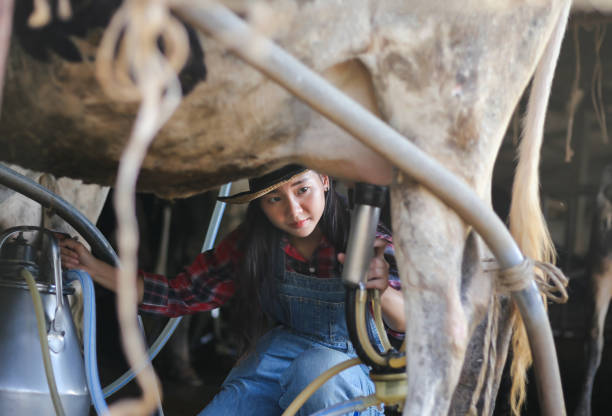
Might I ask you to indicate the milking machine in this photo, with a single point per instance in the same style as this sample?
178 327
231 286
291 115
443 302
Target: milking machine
61 383
42 370
26 379
387 364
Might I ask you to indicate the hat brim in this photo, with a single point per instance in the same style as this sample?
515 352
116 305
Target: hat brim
248 196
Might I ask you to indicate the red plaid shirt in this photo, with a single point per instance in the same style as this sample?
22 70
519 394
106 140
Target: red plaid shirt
208 282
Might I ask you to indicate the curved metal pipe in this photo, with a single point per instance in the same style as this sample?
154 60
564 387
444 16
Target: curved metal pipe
311 88
99 243
67 212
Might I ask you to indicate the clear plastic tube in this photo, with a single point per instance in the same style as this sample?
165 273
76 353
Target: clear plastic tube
305 394
89 339
155 348
355 405
164 336
44 346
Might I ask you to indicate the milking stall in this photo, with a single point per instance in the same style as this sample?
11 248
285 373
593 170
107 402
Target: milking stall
477 132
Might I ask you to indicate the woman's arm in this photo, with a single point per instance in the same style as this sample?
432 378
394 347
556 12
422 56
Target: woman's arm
392 306
76 256
206 284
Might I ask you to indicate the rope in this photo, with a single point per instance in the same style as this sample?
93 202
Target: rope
486 363
139 56
516 126
551 283
488 394
596 83
131 44
41 13
575 98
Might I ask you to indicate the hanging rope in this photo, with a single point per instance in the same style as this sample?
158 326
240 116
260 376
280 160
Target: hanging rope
597 81
132 40
139 57
41 14
516 126
576 96
551 281
488 350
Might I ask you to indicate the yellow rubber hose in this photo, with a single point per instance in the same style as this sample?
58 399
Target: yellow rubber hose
305 394
378 320
44 346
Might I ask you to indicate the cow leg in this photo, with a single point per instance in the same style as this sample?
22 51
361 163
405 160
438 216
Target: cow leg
437 328
602 292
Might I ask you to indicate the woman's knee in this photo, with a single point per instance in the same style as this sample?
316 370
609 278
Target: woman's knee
244 397
313 362
350 383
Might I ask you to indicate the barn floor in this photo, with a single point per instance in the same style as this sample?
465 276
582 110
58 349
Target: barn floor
183 399
180 398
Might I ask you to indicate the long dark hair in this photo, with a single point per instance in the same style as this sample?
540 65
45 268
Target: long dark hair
255 284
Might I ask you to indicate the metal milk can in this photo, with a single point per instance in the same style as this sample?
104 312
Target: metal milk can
23 384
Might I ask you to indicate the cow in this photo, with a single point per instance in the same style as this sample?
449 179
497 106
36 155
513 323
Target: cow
446 75
17 209
600 276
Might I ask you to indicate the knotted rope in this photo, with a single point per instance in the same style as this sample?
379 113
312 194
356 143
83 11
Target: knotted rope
143 48
597 83
551 281
41 13
139 57
575 98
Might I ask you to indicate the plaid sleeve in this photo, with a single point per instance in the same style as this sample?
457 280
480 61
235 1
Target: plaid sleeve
394 280
206 284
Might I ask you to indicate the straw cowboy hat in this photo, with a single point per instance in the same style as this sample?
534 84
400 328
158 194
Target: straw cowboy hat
261 185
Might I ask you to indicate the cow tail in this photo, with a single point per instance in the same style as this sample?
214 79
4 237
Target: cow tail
527 223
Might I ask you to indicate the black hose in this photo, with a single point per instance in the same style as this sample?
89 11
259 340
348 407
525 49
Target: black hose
26 186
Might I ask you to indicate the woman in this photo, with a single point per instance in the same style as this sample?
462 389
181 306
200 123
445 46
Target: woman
282 266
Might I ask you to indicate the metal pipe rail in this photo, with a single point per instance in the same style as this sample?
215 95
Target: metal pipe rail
315 91
99 243
26 186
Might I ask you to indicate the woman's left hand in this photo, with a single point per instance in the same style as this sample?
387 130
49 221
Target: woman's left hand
378 273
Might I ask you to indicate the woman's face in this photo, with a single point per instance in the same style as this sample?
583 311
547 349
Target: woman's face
297 206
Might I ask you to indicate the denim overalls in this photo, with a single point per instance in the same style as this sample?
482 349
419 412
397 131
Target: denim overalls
311 338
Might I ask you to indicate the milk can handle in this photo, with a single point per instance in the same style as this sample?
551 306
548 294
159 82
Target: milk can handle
56 262
10 231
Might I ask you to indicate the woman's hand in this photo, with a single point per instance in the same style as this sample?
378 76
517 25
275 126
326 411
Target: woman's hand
392 301
76 256
378 273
